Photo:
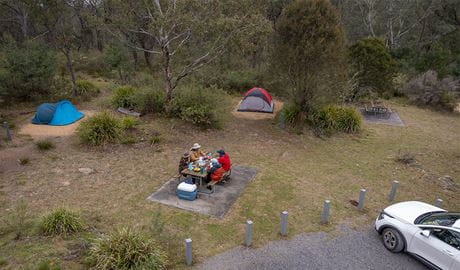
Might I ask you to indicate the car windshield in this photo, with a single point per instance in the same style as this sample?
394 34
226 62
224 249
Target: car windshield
439 219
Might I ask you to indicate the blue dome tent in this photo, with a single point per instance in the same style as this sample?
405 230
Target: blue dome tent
59 114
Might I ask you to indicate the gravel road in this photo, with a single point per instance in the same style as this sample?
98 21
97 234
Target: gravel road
349 250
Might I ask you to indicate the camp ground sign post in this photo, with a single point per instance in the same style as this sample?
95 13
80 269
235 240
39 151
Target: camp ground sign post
7 129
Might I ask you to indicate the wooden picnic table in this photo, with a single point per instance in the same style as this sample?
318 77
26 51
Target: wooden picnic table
197 175
377 109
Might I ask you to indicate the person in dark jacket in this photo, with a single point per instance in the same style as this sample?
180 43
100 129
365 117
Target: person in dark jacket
224 160
184 161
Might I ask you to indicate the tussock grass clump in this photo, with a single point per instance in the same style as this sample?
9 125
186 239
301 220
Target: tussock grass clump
100 129
156 139
126 249
61 222
405 158
44 145
332 118
129 122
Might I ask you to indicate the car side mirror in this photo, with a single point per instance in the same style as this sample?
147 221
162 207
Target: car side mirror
426 233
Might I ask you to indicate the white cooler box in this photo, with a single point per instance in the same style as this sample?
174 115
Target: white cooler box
187 191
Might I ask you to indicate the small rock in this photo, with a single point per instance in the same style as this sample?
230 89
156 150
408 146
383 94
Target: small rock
86 171
66 183
57 171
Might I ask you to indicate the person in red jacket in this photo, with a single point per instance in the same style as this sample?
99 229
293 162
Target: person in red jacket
215 174
224 160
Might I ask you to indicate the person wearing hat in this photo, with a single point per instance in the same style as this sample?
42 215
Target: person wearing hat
196 152
224 160
184 161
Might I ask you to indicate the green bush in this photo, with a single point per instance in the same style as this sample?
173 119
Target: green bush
204 107
126 249
149 100
27 71
375 66
230 81
44 145
90 62
61 222
123 97
86 89
129 122
99 129
331 119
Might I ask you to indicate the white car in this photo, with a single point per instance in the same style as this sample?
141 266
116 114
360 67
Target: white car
428 232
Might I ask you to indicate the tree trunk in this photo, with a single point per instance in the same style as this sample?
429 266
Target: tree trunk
147 60
24 25
120 73
167 74
135 59
71 71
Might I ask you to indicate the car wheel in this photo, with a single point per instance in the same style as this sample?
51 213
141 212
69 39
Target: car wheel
392 240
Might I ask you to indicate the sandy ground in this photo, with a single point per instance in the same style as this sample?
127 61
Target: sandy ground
43 131
257 115
458 108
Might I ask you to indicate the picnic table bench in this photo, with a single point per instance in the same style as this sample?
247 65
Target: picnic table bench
377 109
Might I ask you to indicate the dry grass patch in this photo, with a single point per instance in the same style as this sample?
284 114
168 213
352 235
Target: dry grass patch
297 172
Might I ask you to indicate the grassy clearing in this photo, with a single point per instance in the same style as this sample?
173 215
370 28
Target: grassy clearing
296 173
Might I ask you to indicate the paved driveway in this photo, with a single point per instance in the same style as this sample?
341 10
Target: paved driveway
350 250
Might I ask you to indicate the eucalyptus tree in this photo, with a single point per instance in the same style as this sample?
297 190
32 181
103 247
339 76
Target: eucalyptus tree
310 52
186 35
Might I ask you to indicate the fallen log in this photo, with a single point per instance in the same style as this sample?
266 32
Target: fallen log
128 112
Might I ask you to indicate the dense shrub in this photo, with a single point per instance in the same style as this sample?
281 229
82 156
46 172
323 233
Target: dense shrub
86 89
44 145
292 113
126 249
426 89
61 222
204 107
90 62
309 52
148 100
142 79
332 118
100 129
230 80
117 57
123 97
26 71
375 66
